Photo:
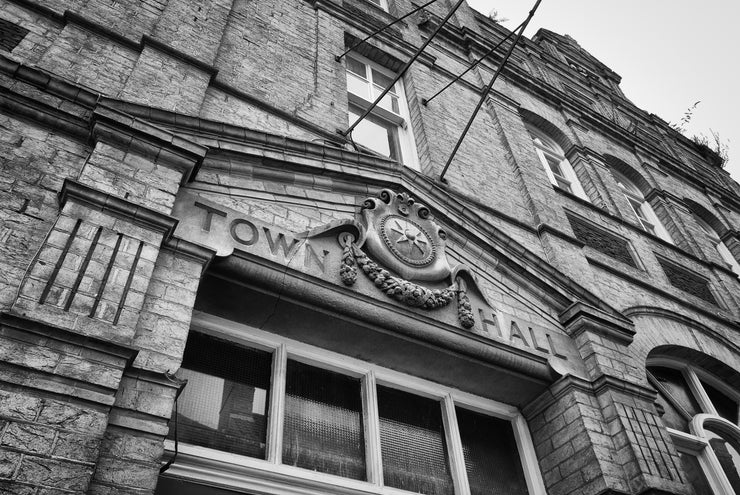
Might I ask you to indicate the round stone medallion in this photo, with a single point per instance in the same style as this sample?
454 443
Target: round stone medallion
407 240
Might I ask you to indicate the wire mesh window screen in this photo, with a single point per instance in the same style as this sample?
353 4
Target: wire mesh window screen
224 405
323 428
412 442
490 453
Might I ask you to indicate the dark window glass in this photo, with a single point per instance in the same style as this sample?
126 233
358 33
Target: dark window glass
695 474
679 401
726 407
224 404
412 441
323 422
491 455
672 418
728 456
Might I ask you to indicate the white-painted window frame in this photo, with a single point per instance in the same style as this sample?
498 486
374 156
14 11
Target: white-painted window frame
696 442
383 4
645 214
546 147
401 120
226 470
720 246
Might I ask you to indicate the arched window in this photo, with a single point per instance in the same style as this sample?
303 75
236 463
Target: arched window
557 167
701 414
642 209
720 246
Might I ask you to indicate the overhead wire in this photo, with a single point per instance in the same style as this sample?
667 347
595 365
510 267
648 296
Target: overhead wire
380 30
425 101
488 89
403 70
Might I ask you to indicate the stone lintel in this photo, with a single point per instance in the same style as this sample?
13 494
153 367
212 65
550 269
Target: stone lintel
118 128
118 207
580 317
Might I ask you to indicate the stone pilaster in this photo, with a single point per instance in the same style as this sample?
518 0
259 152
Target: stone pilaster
639 447
57 390
88 417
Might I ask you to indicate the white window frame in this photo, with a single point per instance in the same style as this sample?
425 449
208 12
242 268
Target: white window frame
696 442
401 120
382 4
233 471
720 246
546 147
646 217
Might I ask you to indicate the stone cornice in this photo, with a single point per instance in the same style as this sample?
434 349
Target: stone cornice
137 214
114 126
581 317
718 315
569 384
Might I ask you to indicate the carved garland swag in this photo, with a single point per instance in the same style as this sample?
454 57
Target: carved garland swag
409 293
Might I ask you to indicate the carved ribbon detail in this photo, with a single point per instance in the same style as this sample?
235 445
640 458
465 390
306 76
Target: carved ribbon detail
409 293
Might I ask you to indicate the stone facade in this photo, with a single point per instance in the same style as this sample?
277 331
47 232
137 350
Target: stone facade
172 166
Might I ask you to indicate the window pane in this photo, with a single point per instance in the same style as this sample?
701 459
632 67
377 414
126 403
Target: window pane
680 404
389 101
412 442
224 405
729 457
323 422
726 406
375 134
554 165
381 80
491 456
695 474
356 67
358 87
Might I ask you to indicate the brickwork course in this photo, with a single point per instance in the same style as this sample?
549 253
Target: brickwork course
112 113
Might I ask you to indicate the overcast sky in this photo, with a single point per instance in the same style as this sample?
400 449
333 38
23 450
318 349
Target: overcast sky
670 53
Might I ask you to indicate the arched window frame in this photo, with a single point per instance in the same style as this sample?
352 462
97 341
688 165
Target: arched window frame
645 214
720 246
556 165
695 442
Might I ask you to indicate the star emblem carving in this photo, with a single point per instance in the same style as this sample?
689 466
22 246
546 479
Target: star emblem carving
407 240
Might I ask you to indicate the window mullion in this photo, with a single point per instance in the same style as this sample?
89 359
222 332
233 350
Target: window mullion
525 446
454 447
371 422
698 389
715 474
277 405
